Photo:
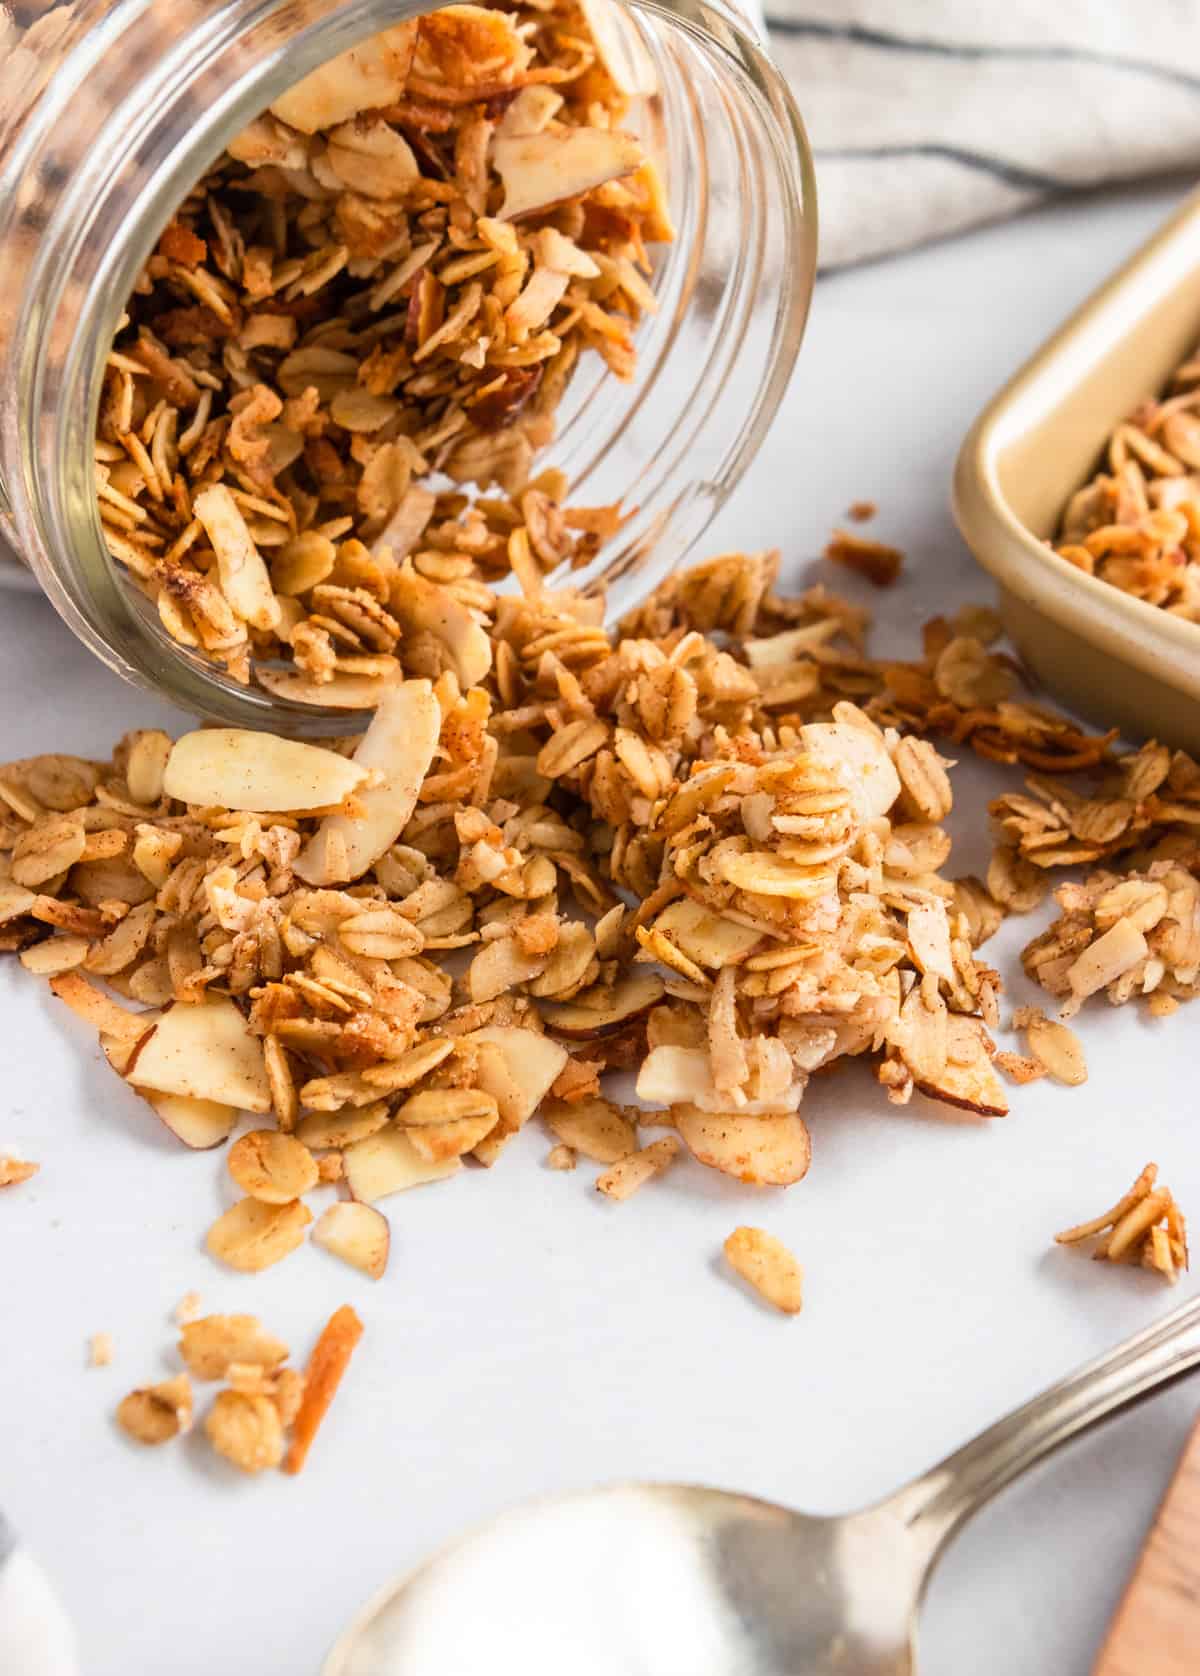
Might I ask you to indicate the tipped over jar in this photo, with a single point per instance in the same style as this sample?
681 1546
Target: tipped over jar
332 323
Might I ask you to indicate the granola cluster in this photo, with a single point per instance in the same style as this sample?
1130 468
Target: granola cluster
608 852
1146 1227
707 846
262 1400
1137 523
390 275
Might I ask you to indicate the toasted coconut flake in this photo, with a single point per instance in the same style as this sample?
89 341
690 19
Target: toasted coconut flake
399 746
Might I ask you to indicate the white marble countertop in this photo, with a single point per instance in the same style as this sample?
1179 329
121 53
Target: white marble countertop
529 1337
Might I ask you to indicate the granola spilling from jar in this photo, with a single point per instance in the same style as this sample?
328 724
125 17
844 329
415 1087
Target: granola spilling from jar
612 851
391 274
1137 523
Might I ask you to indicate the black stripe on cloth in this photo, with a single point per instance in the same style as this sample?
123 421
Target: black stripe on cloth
860 35
1011 173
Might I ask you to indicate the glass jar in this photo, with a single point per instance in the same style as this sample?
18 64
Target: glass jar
111 109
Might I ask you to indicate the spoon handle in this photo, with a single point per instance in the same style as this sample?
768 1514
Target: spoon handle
938 1502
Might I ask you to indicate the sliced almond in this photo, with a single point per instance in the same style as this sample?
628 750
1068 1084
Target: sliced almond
421 607
862 758
347 691
356 1233
1120 949
594 1127
762 1151
399 746
366 77
766 1264
706 937
531 1063
545 168
200 1124
579 1021
671 1075
272 1167
55 955
389 1163
233 768
205 1051
1057 1048
252 1236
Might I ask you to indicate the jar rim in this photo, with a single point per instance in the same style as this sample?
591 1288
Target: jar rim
241 57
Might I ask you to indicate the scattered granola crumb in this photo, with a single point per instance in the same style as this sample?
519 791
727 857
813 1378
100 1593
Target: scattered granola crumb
156 1413
1018 1068
246 1429
879 563
188 1308
101 1350
328 1362
1146 1226
560 1158
861 511
211 1344
767 1265
13 1171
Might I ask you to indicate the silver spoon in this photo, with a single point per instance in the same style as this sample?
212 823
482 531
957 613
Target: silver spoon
668 1580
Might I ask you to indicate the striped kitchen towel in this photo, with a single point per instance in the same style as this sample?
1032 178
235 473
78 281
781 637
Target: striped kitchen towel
928 116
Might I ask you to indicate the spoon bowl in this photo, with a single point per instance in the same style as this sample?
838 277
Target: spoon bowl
672 1580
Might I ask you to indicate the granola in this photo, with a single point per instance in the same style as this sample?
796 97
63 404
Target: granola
767 1265
13 1171
634 850
1145 1226
1128 935
1136 525
388 278
157 1413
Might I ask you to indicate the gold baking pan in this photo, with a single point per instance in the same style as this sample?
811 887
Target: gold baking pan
1106 654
